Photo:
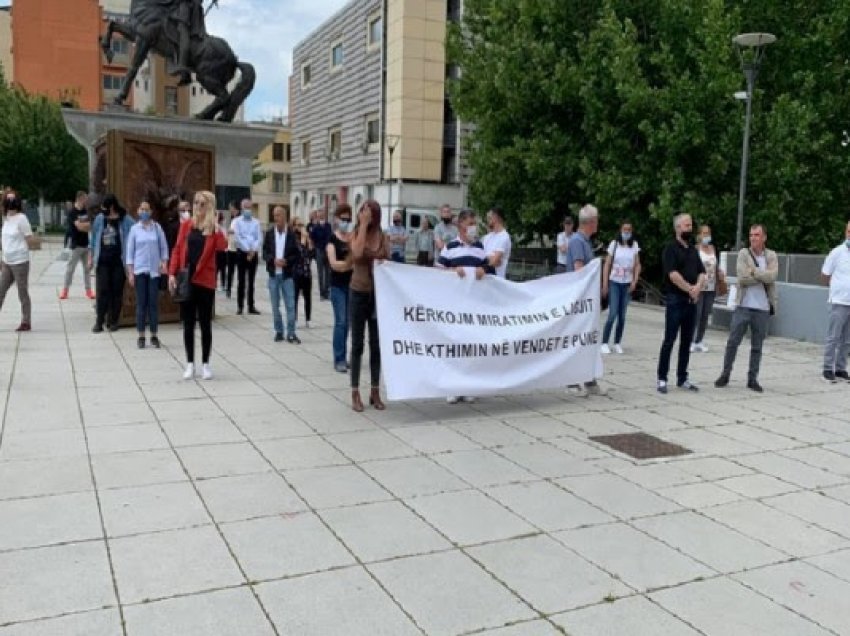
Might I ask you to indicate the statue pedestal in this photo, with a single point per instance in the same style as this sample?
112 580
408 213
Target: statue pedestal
236 145
153 158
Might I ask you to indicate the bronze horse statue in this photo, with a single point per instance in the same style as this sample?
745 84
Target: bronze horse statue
152 27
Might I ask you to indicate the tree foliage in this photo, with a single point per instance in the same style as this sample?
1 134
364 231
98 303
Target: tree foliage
37 155
629 104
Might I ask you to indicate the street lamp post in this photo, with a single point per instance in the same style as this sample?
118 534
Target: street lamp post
751 47
392 142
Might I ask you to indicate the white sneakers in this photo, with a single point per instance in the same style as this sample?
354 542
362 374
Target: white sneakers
189 373
698 347
605 349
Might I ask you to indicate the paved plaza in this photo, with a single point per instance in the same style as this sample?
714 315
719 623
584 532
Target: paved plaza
132 502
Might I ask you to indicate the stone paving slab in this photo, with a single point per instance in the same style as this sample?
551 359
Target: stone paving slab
134 503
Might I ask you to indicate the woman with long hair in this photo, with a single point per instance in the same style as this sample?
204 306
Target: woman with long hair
368 245
714 278
197 244
147 261
110 233
15 267
302 271
339 259
619 280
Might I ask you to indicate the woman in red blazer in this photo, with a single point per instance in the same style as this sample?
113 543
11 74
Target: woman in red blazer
195 249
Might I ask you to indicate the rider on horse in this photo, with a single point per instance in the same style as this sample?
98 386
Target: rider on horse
188 16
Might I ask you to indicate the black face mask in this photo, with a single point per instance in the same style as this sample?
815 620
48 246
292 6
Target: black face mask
447 220
688 237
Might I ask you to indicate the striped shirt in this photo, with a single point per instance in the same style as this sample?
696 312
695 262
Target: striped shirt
459 254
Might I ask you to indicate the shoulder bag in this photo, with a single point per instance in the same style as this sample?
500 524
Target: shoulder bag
766 290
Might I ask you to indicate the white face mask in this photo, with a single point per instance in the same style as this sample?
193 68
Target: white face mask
185 215
472 232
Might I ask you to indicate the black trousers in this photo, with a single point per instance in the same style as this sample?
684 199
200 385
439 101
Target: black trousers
109 281
198 308
679 320
363 313
245 269
304 287
221 268
231 267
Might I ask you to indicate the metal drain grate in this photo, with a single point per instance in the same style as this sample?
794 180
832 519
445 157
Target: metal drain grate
641 445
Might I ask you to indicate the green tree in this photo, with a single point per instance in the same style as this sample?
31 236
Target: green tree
628 104
38 157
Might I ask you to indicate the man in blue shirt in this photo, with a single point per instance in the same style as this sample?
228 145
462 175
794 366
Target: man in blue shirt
320 234
246 230
579 254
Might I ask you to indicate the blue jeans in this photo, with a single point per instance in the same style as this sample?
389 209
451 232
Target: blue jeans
339 301
147 302
618 301
679 316
282 287
397 257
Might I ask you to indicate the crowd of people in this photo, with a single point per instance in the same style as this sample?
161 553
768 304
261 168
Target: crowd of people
196 253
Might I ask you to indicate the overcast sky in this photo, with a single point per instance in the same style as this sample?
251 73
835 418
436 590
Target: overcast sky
263 33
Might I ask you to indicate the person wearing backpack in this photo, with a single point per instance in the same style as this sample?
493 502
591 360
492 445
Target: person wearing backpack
619 280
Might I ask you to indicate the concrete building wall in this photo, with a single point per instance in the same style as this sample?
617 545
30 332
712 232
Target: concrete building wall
6 45
341 97
275 162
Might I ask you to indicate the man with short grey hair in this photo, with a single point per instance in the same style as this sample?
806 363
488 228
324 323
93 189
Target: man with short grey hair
684 275
579 254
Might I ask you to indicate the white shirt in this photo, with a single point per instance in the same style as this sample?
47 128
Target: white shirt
16 229
279 247
248 235
499 242
755 296
623 261
837 266
563 241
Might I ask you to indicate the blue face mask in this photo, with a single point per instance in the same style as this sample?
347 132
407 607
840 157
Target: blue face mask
706 240
144 215
345 226
246 214
626 236
847 243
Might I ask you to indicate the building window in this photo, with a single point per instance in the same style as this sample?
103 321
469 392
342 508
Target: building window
376 31
112 82
373 133
335 143
306 75
337 56
305 153
170 100
120 46
277 152
277 182
287 153
287 182
453 10
147 86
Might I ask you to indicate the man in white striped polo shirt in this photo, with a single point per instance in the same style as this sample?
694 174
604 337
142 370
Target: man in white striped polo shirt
463 252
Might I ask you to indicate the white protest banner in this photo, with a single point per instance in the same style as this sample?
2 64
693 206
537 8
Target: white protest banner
445 335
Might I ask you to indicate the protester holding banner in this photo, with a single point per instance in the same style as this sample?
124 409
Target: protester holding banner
684 278
619 279
579 254
497 242
466 251
339 259
368 245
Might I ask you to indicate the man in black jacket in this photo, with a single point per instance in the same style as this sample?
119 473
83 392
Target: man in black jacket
280 252
77 240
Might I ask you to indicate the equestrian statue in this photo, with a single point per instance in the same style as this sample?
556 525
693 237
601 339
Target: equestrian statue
175 29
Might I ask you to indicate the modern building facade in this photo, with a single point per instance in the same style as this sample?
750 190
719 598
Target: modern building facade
6 44
274 163
369 110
